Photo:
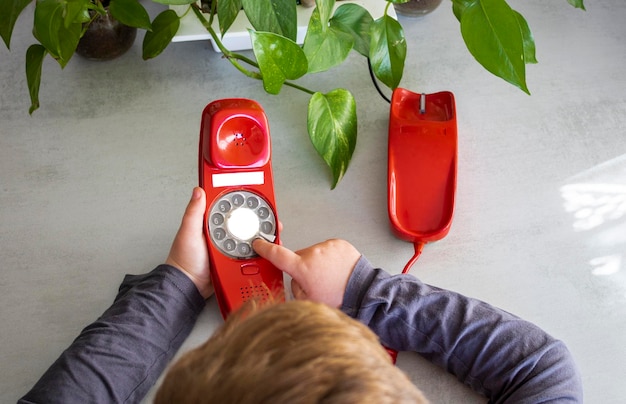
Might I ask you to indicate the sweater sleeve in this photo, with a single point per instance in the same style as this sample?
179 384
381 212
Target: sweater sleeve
497 354
120 356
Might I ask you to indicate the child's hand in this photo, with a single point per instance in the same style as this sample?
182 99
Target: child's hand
320 272
189 251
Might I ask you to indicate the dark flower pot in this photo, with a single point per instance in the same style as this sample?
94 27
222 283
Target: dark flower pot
106 38
416 8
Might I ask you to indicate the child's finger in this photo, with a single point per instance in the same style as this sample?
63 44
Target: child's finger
282 258
191 225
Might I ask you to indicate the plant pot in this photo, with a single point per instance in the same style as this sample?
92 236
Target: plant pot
416 8
106 38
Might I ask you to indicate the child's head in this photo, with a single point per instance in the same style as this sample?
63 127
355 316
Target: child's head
293 352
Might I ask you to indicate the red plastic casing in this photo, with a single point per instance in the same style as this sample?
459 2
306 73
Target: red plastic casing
235 139
422 165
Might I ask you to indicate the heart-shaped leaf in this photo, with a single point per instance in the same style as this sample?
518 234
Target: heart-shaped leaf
50 30
325 46
164 27
486 27
131 13
277 16
10 10
354 20
325 10
387 50
77 11
279 59
459 6
332 126
34 62
227 11
47 21
529 40
577 3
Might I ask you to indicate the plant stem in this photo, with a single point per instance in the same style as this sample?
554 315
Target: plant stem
303 89
243 58
185 13
233 57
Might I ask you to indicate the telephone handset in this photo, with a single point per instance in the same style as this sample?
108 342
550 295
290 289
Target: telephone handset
422 161
235 170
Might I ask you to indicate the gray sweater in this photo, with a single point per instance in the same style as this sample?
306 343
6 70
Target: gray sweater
497 354
120 356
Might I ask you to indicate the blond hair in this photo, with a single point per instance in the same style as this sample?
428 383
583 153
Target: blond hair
293 352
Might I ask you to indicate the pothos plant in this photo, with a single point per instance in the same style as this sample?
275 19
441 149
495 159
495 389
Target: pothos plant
58 26
497 36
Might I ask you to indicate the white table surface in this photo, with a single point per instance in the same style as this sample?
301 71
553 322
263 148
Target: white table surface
93 185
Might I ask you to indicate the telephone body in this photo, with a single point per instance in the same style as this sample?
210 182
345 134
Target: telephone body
235 170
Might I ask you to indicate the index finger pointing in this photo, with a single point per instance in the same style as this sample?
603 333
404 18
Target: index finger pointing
281 257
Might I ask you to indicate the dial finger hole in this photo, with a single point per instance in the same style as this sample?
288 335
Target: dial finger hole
238 199
267 227
223 206
229 245
219 234
263 212
217 219
252 202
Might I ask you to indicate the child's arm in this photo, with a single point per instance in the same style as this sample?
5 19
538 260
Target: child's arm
492 351
119 357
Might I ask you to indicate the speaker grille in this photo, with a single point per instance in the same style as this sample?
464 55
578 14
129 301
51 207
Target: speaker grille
259 293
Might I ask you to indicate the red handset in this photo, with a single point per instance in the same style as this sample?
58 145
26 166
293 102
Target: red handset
235 170
422 162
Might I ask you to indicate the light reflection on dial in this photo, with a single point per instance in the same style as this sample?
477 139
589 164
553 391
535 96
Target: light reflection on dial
243 223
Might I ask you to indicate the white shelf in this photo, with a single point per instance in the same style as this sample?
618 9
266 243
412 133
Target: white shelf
237 37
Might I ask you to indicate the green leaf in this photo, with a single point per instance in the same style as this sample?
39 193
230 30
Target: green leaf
47 23
10 10
279 59
77 11
98 8
277 16
175 2
325 46
164 27
491 32
131 13
34 63
459 6
529 40
50 30
332 126
354 20
577 3
387 50
227 11
325 10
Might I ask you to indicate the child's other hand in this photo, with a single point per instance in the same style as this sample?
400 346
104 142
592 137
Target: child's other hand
319 273
189 251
